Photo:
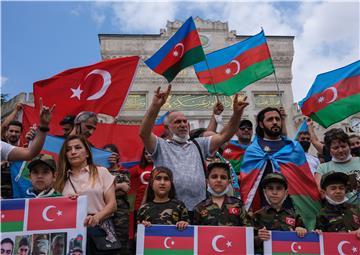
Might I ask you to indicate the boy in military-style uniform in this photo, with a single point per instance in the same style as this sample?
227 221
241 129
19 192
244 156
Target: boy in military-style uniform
219 209
337 215
275 216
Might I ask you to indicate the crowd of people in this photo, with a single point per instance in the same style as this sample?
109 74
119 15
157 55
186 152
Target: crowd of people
198 177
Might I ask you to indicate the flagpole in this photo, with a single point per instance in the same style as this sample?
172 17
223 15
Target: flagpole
277 87
212 80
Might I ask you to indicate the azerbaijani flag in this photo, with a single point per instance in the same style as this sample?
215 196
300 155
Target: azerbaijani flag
183 49
231 69
302 128
164 240
286 242
291 162
334 95
12 215
234 152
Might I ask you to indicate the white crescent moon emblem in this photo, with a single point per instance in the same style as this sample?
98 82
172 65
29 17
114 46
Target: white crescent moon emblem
237 66
213 243
44 213
292 247
182 49
165 242
333 89
340 245
107 81
142 177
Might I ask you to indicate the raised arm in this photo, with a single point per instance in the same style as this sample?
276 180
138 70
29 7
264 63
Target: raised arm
213 123
146 135
10 117
228 131
314 139
20 153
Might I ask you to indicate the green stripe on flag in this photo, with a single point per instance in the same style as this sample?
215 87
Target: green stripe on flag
193 56
167 252
307 208
337 111
11 226
247 76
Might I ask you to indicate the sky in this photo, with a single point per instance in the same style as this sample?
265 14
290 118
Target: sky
41 39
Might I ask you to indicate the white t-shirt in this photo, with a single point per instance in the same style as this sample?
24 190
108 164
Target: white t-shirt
5 150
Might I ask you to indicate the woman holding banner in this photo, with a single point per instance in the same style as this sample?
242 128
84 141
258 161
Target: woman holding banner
77 175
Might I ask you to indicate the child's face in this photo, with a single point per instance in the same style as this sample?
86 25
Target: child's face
218 179
161 185
336 192
275 192
41 177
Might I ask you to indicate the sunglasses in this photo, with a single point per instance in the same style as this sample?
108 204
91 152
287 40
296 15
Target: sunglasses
243 128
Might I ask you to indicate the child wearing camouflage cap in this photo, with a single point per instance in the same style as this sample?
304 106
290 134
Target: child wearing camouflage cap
42 176
275 216
337 215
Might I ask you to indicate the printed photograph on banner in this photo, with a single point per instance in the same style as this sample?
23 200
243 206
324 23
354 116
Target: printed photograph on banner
7 245
76 245
41 243
58 243
23 245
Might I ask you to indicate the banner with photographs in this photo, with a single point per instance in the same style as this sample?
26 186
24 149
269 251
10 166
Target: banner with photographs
53 226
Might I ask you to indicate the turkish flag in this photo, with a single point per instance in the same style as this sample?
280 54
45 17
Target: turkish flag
100 88
224 240
51 213
340 243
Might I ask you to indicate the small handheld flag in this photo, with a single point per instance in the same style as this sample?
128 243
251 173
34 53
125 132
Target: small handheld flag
183 49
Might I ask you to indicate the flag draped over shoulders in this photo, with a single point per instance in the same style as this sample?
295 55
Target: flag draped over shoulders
291 162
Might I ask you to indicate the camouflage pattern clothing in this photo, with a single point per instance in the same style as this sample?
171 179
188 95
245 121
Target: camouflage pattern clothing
168 213
231 213
283 220
338 218
121 216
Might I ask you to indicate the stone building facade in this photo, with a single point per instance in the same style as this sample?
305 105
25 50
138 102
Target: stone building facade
188 94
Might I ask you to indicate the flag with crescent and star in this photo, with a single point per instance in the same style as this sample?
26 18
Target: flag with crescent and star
204 240
100 88
183 49
229 70
225 240
285 242
340 243
12 215
333 96
290 160
52 213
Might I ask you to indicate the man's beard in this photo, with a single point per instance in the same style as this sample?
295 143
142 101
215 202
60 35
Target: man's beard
13 140
244 140
271 133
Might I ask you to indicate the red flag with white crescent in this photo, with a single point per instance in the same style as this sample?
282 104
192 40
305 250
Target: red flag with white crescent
52 213
101 87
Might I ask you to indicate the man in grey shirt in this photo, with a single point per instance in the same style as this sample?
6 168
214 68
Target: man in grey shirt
181 155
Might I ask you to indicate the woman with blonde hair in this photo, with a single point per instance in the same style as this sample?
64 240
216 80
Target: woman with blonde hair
77 175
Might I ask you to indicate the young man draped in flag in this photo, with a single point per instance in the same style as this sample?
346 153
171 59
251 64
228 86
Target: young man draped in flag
334 95
271 152
183 49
